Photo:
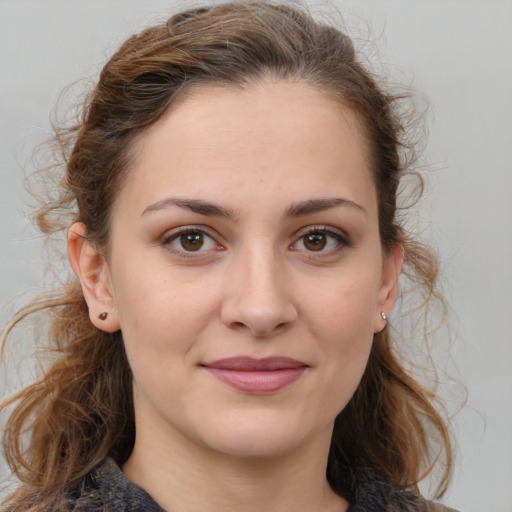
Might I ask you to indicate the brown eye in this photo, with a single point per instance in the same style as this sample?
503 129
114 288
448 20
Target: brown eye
187 241
315 241
192 241
322 240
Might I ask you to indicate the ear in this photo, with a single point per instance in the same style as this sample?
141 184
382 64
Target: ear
391 267
93 272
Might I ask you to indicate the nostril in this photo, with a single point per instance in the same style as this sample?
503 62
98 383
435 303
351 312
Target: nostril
262 316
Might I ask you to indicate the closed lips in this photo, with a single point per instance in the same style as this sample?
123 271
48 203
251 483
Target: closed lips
257 376
250 364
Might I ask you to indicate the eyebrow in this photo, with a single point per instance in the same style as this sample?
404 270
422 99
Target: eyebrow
194 205
214 210
319 205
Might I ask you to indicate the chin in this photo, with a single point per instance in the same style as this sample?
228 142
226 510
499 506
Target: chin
247 446
259 438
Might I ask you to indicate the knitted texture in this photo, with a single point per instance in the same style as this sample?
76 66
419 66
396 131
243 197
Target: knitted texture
106 488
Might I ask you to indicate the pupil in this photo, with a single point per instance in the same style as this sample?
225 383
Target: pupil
315 241
192 241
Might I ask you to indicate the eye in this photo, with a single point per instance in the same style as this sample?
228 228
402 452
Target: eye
191 240
321 240
315 241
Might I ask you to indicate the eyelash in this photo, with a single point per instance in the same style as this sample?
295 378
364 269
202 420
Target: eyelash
175 235
341 240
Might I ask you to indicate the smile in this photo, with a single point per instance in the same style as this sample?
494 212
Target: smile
257 375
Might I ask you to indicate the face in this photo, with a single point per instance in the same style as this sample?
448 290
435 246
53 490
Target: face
245 269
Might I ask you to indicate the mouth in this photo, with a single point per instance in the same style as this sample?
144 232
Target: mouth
256 375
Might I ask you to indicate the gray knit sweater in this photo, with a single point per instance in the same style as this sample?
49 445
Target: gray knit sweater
106 488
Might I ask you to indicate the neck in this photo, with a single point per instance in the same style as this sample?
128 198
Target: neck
182 475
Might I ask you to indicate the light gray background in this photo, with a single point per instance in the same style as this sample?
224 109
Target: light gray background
456 52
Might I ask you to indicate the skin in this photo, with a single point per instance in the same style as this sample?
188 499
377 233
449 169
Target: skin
268 157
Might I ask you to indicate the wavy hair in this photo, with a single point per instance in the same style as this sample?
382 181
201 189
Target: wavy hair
81 409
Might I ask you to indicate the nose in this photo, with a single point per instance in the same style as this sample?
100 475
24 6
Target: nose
258 297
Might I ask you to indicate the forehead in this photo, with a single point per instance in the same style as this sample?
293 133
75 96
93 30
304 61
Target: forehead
276 107
275 134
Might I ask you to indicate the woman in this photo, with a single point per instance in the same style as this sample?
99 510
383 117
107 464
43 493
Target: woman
225 346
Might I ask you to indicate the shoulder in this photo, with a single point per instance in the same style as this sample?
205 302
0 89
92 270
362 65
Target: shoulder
107 488
399 502
437 507
372 492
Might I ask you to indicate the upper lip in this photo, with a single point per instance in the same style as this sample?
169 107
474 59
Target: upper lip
244 363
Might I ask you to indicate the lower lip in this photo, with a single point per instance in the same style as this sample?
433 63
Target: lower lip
258 381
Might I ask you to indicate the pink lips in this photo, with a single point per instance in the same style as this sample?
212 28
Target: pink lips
256 375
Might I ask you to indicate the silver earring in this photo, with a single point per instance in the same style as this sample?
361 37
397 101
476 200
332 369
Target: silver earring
103 316
383 315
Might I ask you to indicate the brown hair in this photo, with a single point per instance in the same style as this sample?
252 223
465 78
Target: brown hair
81 409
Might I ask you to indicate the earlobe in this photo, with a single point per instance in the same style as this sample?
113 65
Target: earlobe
391 269
93 273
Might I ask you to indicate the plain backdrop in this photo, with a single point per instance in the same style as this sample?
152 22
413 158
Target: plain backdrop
455 53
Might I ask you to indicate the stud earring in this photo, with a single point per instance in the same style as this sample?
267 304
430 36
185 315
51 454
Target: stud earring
103 316
383 315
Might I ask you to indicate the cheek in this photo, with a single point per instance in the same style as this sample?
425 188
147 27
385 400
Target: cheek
346 305
160 324
161 312
342 319
346 351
